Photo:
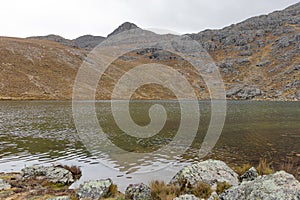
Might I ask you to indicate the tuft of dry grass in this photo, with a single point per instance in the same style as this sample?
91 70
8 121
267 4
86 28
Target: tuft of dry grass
161 191
202 190
264 167
292 166
240 170
222 186
113 190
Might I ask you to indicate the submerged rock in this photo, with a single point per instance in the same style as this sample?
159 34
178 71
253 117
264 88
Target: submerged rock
4 185
186 197
250 175
138 192
94 189
209 171
280 185
51 174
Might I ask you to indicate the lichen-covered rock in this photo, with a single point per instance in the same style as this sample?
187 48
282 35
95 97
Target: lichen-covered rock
209 171
51 174
4 185
94 189
250 175
60 198
138 191
280 185
186 197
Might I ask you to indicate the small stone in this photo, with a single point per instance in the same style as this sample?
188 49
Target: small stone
186 197
138 191
4 185
250 175
60 198
94 189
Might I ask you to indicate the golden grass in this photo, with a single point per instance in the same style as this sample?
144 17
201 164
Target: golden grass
202 190
264 167
292 166
222 186
240 170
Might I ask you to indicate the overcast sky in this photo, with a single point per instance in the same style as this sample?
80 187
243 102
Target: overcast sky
73 18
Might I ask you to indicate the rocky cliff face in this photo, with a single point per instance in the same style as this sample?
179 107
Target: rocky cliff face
260 56
258 59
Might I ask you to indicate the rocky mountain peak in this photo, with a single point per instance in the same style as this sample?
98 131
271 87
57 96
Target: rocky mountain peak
123 27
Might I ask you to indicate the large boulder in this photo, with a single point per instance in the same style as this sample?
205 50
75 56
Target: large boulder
94 189
209 171
186 197
280 185
138 191
4 185
51 174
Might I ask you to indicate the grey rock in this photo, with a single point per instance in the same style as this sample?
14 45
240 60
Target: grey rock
51 174
162 55
263 63
60 198
297 67
186 197
127 58
249 175
283 42
243 92
94 189
209 171
243 61
138 191
280 185
4 185
298 94
147 50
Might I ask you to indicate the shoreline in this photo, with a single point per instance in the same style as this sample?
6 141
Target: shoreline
216 180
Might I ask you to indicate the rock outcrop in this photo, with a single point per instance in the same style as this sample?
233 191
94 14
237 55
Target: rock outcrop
94 189
51 174
138 191
209 171
280 185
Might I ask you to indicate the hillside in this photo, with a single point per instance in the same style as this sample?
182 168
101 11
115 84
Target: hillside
258 59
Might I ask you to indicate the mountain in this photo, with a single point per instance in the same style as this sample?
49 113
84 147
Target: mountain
88 41
258 59
56 38
123 27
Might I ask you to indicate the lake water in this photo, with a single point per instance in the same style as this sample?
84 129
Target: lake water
44 132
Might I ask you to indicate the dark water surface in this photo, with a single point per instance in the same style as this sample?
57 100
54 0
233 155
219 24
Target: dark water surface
43 132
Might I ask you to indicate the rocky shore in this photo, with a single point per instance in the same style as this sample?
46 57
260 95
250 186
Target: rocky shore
210 179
